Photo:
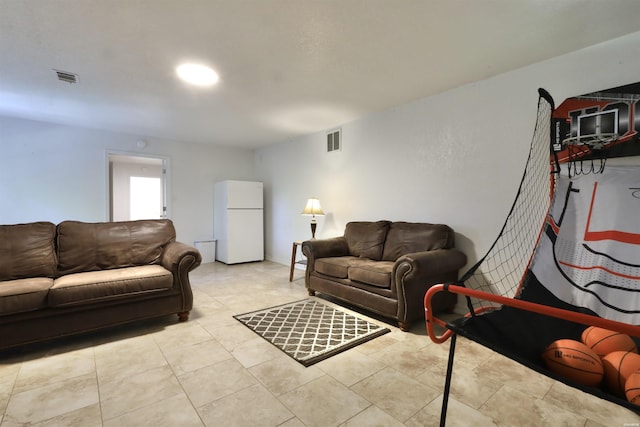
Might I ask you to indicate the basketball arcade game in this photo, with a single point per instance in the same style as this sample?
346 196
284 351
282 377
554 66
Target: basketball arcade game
568 254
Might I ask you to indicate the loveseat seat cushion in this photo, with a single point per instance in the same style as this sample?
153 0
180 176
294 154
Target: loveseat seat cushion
27 250
337 267
374 273
366 239
411 237
97 246
17 296
98 286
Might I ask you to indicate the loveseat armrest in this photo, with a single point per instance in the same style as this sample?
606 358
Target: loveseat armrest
323 248
423 265
415 273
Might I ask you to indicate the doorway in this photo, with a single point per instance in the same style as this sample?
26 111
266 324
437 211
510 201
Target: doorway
137 187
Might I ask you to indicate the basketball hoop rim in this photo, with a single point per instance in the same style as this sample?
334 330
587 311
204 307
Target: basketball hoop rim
593 141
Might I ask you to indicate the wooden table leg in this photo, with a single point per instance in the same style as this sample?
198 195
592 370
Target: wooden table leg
294 250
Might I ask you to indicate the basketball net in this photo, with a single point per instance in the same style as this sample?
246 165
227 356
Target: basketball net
502 268
587 154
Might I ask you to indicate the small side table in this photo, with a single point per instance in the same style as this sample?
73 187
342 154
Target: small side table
294 252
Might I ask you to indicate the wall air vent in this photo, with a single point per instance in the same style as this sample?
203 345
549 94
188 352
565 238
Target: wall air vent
334 140
65 76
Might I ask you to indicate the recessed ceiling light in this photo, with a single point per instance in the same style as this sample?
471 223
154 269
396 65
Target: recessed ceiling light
196 74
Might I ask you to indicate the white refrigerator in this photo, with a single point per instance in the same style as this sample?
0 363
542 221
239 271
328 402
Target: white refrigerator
238 221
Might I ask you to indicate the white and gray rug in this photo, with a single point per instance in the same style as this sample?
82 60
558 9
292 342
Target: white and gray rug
310 331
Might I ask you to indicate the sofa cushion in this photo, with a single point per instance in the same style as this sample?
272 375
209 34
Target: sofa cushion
409 237
27 250
366 239
97 246
375 273
97 286
337 267
21 295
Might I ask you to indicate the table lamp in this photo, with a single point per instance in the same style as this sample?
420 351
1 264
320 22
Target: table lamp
313 208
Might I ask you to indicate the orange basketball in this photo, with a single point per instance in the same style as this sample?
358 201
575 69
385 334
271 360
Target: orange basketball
604 341
618 367
632 388
575 361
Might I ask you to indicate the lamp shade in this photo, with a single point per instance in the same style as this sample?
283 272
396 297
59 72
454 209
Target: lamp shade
313 207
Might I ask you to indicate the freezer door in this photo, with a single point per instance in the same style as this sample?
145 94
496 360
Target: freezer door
244 236
244 195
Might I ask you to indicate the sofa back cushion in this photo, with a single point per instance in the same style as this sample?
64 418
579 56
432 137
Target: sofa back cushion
27 251
101 246
366 239
409 237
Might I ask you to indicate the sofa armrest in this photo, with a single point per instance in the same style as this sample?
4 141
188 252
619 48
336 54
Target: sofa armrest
177 257
415 273
180 259
323 248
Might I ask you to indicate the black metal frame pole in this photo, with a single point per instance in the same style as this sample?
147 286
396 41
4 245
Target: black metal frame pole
447 381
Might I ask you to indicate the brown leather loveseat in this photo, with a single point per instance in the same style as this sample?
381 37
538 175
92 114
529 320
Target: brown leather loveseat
385 267
77 277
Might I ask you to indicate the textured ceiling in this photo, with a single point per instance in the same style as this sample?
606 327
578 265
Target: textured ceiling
287 67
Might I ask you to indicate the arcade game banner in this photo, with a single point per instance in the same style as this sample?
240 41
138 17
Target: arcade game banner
607 120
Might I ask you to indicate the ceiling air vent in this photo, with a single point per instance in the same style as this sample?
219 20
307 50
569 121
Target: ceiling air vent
65 76
334 141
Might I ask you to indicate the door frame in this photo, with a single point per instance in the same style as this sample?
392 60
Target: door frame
166 164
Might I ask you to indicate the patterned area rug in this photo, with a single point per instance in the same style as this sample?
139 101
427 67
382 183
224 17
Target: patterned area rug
310 331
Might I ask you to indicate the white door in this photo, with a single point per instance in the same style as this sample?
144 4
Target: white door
137 188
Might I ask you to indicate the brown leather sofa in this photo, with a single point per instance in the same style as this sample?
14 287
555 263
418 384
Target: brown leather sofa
385 267
78 277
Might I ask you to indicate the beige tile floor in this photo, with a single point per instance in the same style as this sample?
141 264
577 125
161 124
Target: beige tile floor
213 371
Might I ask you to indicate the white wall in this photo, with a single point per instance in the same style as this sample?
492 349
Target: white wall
53 173
455 158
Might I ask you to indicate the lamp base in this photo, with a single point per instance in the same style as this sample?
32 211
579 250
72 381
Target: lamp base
313 230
